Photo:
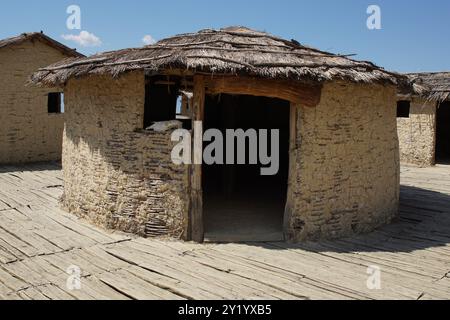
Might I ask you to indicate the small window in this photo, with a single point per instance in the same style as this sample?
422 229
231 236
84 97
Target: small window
55 102
403 108
160 101
183 114
179 106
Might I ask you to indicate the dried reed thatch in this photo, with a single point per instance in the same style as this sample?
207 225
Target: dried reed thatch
234 50
431 85
39 36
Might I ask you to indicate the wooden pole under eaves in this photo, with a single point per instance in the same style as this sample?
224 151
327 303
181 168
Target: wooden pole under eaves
196 207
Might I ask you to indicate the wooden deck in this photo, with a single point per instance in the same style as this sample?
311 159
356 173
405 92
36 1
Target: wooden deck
39 242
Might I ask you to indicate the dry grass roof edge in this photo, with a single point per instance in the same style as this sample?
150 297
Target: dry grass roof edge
232 51
433 86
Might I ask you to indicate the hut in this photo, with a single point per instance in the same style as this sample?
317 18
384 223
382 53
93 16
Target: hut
339 159
423 118
31 120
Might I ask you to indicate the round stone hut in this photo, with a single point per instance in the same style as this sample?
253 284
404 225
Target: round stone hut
337 149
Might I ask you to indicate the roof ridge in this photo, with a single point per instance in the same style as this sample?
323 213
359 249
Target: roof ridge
25 36
428 72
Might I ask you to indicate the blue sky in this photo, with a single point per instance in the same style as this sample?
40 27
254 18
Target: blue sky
414 34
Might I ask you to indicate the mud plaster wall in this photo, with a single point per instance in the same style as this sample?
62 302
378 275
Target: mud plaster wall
115 175
27 132
346 177
417 134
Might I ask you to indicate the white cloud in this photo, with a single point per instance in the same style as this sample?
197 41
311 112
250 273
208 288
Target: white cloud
84 39
148 39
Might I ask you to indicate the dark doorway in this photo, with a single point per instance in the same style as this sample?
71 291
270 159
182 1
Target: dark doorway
443 133
240 204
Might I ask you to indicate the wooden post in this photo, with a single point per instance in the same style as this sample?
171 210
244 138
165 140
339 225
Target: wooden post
196 214
292 172
184 105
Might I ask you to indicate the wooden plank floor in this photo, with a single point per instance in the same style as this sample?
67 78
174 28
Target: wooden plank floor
39 242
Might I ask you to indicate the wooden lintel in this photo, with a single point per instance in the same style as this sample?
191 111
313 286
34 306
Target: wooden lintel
296 92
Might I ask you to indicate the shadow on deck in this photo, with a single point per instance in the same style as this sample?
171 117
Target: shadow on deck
423 223
31 167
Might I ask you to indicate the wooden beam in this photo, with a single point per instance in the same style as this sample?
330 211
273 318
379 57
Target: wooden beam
293 91
196 207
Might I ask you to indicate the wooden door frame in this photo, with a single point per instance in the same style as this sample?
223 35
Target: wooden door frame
289 209
287 90
196 222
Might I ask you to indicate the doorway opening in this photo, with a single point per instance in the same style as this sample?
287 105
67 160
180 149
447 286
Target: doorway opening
240 204
443 133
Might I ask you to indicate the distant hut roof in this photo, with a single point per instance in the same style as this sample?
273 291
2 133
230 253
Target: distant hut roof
234 50
39 36
431 85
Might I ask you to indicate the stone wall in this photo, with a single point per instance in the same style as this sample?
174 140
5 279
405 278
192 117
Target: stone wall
27 132
346 177
417 134
117 175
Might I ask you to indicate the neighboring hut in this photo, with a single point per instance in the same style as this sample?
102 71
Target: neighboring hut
31 120
423 117
339 158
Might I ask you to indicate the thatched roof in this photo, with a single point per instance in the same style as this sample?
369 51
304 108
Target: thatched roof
234 50
39 36
431 85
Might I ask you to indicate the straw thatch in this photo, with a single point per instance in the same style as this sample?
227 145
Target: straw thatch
431 85
234 50
39 36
